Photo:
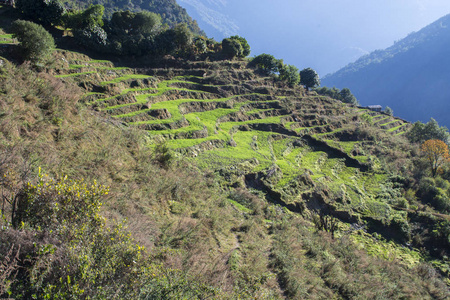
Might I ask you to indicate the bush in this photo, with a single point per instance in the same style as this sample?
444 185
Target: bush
36 43
59 247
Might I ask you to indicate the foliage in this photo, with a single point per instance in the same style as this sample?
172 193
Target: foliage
244 44
231 48
267 63
288 73
389 111
35 42
132 33
44 11
91 37
436 153
421 132
309 78
235 46
82 258
129 23
183 37
343 95
346 96
88 18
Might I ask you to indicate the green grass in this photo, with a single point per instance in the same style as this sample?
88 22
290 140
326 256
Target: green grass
239 206
396 128
389 251
75 74
96 61
125 78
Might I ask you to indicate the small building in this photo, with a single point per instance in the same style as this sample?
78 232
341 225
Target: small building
375 108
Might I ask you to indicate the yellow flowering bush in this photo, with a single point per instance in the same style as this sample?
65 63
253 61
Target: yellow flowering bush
51 204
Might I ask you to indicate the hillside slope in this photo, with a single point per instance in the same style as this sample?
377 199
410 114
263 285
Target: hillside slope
411 76
216 183
170 11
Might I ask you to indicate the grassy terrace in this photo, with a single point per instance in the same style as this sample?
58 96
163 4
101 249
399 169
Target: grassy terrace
252 150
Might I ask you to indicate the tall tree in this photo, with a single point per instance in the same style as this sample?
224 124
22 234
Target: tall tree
436 153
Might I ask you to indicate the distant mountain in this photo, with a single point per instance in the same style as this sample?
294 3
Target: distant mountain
171 12
412 76
212 16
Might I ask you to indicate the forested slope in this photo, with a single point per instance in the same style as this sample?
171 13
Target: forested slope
170 11
411 76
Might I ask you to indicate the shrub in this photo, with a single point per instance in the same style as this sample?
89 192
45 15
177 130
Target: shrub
35 42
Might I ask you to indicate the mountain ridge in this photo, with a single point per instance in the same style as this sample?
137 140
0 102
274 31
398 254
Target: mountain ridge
408 76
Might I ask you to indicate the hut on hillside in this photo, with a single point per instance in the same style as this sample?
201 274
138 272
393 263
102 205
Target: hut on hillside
375 108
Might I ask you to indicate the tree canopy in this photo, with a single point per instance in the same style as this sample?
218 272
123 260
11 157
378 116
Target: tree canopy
309 78
289 73
436 153
244 44
231 48
266 63
44 11
344 95
235 46
421 132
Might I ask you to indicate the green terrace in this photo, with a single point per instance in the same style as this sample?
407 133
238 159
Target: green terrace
227 137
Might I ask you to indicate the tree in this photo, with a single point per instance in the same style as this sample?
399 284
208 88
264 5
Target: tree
128 23
289 73
235 46
46 12
346 96
267 63
35 42
389 111
421 132
200 45
183 36
309 78
436 153
89 18
244 44
231 48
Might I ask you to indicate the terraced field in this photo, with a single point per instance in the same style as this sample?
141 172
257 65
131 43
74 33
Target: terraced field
282 141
